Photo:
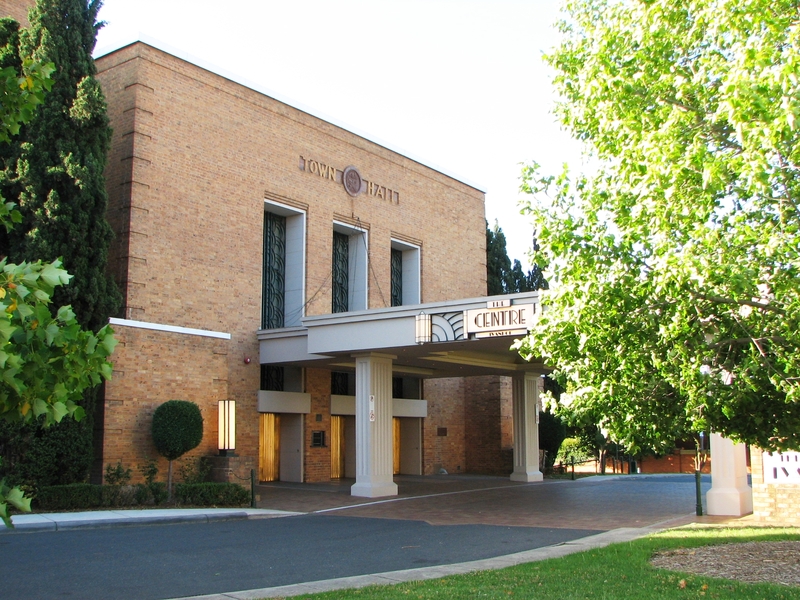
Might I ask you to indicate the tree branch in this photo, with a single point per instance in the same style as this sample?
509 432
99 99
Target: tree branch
724 300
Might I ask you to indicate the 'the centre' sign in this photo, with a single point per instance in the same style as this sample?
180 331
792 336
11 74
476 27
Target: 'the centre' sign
503 320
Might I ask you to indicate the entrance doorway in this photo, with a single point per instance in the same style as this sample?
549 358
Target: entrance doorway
280 447
269 443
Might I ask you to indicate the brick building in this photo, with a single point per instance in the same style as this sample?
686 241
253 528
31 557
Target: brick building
234 214
273 259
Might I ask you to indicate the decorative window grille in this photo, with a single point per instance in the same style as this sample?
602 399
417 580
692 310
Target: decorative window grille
397 387
272 378
340 384
274 275
341 247
397 277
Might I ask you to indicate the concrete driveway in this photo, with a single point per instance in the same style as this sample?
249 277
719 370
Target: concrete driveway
594 503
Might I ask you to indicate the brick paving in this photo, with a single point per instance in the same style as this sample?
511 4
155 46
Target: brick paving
596 503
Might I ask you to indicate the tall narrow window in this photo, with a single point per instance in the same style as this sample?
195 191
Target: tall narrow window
274 286
341 246
406 281
397 277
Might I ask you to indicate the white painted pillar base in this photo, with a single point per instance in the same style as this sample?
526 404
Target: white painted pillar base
729 494
374 449
525 399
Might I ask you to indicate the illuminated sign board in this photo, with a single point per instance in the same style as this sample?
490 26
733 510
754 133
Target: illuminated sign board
499 318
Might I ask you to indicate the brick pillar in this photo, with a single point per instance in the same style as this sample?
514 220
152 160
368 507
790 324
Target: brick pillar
374 457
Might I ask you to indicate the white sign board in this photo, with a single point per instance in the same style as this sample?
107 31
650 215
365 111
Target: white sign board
372 408
782 467
500 321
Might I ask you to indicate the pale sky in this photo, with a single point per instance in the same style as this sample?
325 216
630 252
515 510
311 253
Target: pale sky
459 85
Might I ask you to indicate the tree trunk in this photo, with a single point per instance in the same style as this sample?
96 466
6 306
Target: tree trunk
169 482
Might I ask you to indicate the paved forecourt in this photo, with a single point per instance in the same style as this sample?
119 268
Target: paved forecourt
436 526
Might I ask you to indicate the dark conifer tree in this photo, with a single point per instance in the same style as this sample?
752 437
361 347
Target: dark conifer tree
501 276
56 176
54 172
498 265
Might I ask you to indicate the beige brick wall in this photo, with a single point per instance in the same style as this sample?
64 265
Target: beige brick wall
488 431
444 428
151 367
17 10
193 157
317 465
777 504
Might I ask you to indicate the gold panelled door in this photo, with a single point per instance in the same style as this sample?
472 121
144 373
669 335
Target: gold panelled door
269 439
337 447
396 444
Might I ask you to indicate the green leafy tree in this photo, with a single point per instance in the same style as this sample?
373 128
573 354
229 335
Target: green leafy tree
54 170
675 300
177 428
47 359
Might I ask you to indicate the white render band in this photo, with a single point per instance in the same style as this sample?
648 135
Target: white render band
169 328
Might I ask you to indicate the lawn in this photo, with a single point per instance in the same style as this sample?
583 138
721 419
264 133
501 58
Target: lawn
619 571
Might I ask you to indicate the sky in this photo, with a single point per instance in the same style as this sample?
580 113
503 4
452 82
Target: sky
459 85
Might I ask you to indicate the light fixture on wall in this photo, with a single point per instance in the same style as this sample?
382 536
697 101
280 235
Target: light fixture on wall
227 427
423 326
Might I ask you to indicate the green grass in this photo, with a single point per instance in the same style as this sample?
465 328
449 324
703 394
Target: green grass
619 571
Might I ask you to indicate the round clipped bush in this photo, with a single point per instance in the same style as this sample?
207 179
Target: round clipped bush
177 428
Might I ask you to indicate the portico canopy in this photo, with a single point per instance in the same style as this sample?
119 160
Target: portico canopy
330 341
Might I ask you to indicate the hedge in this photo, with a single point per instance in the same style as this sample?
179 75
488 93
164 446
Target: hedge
212 494
69 497
75 496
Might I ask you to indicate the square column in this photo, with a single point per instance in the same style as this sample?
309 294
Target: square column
729 494
374 448
525 399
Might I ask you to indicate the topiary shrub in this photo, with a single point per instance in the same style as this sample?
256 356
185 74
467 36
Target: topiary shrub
177 428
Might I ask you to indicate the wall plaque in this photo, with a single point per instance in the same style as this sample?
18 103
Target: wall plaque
351 179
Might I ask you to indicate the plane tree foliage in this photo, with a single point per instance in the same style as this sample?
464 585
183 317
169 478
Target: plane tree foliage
673 257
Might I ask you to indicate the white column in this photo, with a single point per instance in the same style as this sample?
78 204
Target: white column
729 493
374 452
525 398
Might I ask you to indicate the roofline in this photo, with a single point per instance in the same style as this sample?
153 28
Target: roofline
236 78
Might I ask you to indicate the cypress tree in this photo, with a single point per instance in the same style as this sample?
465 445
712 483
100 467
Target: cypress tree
498 265
53 170
501 276
56 175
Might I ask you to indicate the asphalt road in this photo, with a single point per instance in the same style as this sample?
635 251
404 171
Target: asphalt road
169 561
